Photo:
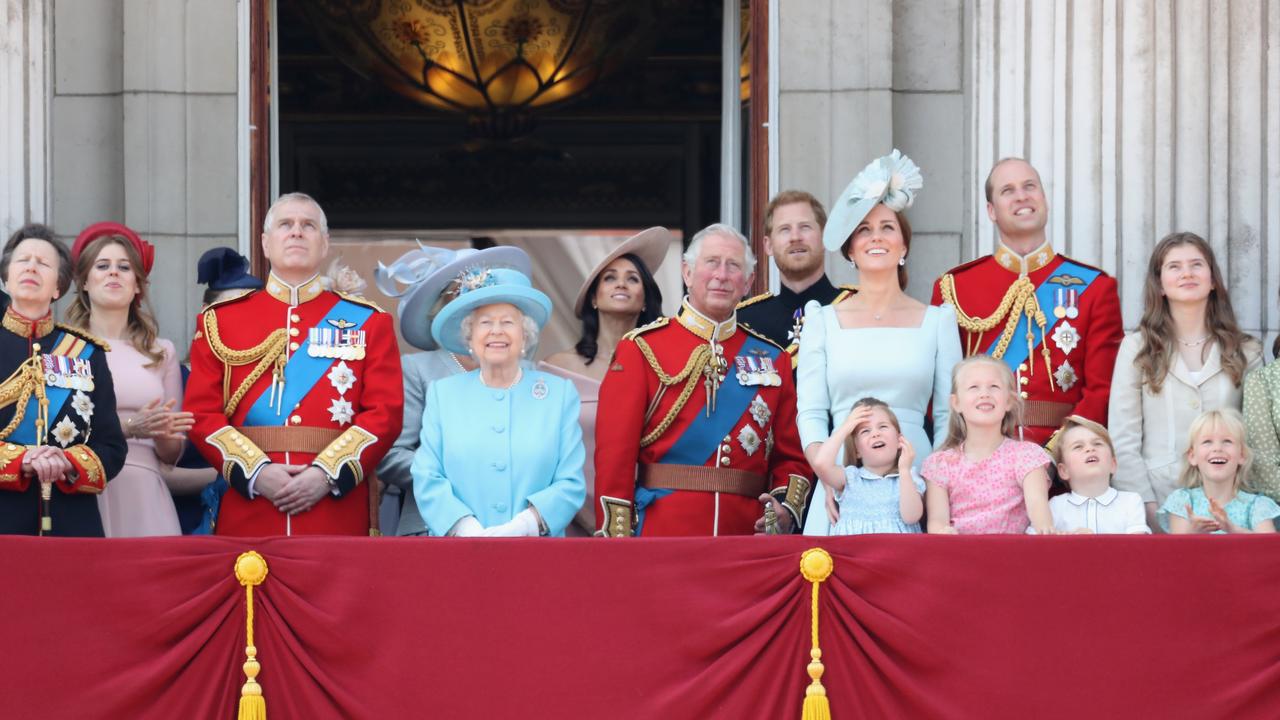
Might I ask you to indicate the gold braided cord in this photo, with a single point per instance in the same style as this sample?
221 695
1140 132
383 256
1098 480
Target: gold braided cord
691 368
689 374
265 353
1011 306
18 388
1020 299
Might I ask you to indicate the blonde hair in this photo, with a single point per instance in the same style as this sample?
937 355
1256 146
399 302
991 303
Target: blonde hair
141 329
1076 421
956 428
1228 419
851 455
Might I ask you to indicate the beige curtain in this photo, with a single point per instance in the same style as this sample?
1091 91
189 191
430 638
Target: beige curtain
561 261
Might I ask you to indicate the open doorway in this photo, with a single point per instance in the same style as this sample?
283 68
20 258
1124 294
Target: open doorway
641 144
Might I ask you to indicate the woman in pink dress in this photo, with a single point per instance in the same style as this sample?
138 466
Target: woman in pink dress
110 265
619 295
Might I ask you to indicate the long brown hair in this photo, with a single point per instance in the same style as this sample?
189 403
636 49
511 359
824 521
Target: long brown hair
142 329
956 428
1156 354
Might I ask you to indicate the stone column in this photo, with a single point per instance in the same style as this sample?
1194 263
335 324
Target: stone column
23 74
860 77
1144 117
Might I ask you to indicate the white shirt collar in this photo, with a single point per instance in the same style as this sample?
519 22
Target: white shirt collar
1104 499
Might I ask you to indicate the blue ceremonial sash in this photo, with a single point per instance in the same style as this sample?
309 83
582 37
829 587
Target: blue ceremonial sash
1018 351
302 372
703 435
25 433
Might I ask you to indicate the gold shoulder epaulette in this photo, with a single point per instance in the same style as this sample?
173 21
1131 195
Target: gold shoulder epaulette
360 301
660 322
845 291
753 300
84 334
758 335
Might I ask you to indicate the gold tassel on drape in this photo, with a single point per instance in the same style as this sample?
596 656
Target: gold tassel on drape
815 566
251 570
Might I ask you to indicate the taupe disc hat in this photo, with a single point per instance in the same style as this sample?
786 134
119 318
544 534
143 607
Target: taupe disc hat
648 245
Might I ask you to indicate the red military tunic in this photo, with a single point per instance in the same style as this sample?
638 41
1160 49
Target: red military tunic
1082 328
750 438
339 409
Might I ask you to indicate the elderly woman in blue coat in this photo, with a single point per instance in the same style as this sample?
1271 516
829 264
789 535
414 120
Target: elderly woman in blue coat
501 452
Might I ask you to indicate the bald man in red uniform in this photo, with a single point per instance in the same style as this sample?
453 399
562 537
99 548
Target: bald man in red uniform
696 424
296 391
1055 321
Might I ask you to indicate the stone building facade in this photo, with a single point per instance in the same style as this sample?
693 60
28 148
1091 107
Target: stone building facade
1143 116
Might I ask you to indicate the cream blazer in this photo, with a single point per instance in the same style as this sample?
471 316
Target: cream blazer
1150 431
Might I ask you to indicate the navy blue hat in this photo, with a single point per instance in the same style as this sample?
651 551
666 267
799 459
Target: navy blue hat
225 269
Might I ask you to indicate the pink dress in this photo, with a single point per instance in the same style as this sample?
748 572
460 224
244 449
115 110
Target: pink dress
137 502
986 496
584 522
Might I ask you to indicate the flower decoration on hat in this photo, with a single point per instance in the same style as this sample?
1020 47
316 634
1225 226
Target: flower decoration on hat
892 180
343 279
474 279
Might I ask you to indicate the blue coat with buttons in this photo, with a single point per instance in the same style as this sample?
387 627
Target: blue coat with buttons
492 453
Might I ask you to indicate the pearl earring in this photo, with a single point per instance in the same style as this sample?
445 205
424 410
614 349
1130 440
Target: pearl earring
902 260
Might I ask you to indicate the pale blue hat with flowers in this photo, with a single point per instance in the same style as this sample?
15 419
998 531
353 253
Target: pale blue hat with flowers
427 271
892 180
487 286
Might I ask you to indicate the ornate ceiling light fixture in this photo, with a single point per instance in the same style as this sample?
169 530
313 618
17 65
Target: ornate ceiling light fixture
494 60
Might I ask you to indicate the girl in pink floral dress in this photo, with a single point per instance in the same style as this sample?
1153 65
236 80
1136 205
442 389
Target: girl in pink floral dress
983 479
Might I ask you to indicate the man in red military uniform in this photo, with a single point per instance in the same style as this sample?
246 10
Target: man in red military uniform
296 390
1055 321
696 424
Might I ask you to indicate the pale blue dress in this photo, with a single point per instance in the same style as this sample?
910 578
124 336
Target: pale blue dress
1246 509
492 452
904 366
869 504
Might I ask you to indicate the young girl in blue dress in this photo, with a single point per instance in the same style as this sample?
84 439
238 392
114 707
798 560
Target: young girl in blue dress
877 493
1212 498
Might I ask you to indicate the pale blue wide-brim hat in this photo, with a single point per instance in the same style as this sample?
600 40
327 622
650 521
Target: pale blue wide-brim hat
489 286
426 272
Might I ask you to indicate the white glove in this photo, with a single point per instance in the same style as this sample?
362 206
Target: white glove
468 526
524 524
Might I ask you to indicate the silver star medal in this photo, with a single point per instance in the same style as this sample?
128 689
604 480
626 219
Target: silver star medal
760 411
341 377
340 411
82 405
1066 337
749 439
65 431
1065 375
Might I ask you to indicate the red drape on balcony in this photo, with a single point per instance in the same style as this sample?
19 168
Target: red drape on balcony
911 627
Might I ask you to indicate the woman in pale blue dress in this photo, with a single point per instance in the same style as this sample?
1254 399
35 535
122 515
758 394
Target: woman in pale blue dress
878 341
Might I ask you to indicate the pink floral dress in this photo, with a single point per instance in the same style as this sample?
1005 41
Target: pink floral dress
986 496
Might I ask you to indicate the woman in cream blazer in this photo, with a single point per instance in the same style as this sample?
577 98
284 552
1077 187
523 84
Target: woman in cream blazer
1155 393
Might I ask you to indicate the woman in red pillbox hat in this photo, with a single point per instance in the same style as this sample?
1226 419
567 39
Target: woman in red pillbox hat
111 264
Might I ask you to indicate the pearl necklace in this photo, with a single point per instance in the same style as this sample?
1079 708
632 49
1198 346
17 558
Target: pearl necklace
454 357
519 376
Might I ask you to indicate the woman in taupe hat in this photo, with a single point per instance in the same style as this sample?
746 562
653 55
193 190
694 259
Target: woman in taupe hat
618 296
